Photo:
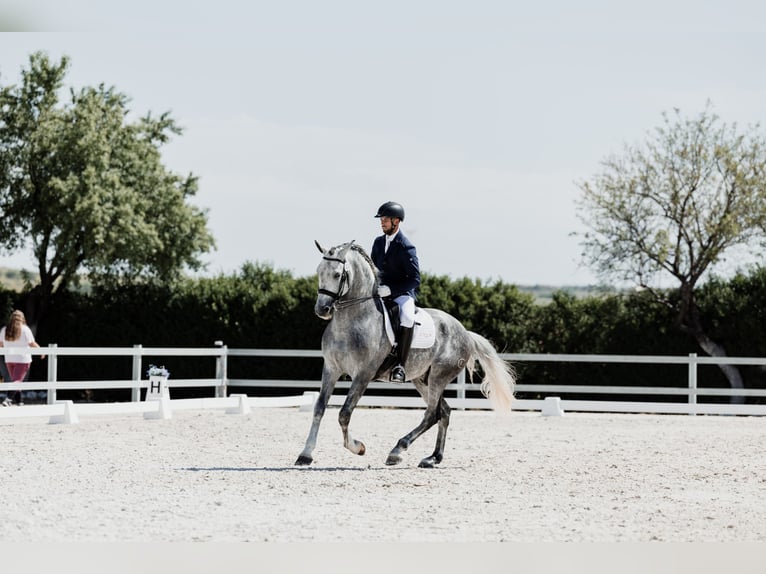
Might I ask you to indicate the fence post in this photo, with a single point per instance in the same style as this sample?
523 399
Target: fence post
220 369
52 373
692 384
135 393
461 387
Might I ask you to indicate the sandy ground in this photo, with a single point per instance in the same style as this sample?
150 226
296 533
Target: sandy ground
211 476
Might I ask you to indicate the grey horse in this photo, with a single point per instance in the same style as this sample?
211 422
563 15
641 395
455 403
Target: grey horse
355 344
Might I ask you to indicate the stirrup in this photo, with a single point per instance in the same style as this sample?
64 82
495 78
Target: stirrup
397 374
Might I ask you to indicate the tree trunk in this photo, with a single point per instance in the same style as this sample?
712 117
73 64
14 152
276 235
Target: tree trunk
36 307
713 349
690 322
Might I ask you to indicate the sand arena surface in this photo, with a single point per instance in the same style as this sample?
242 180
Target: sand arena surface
211 476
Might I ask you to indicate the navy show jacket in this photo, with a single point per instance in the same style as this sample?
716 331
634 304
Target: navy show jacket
399 267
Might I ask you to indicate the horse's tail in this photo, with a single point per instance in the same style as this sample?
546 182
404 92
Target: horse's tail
499 375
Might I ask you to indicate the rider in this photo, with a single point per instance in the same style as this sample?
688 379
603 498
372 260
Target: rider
397 261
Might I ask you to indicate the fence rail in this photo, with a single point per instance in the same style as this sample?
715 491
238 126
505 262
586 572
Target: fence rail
457 391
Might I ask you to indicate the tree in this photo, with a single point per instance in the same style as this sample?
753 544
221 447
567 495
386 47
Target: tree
85 186
674 208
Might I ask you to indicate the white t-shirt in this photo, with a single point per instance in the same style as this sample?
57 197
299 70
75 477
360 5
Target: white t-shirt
25 339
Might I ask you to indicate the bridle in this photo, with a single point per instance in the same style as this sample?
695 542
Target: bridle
337 296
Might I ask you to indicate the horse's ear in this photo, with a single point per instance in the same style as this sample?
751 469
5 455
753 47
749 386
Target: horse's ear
343 253
321 249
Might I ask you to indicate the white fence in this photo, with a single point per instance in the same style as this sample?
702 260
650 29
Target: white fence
457 392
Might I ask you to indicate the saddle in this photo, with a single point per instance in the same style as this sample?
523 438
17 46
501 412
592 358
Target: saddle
424 335
389 306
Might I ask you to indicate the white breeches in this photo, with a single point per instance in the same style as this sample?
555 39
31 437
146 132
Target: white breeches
406 310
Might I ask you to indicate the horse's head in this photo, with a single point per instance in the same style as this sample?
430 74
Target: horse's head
342 276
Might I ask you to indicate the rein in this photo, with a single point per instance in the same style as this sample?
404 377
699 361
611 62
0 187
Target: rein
341 304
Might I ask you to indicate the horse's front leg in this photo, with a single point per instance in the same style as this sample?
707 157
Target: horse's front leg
355 392
328 384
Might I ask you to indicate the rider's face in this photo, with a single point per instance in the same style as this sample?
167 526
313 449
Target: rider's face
389 224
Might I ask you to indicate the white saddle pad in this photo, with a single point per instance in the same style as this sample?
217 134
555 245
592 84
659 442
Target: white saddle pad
425 332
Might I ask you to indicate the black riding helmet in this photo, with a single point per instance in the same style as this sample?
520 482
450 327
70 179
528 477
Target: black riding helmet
391 209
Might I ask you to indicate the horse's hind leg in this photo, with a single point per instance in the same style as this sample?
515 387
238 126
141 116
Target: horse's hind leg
441 437
429 419
437 411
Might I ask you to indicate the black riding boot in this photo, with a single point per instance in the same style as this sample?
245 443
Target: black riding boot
402 351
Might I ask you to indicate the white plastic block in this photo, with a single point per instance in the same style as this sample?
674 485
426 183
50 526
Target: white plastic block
310 400
243 405
552 407
69 417
163 412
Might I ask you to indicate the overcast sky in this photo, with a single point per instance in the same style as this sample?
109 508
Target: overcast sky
301 118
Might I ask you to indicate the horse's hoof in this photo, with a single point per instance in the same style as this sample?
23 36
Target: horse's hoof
303 460
393 459
429 462
362 449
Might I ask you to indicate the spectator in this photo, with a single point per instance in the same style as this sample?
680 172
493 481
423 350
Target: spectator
17 334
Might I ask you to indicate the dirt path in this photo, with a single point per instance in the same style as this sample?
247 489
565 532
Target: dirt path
209 476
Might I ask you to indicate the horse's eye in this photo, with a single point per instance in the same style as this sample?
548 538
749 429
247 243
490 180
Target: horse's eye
337 275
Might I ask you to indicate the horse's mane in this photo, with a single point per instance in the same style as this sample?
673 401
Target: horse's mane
361 251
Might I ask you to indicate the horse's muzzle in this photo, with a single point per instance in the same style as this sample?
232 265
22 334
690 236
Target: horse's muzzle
323 309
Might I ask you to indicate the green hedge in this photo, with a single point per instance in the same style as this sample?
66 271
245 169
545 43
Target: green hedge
260 307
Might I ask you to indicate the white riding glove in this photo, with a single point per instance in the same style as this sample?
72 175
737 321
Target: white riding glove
384 291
